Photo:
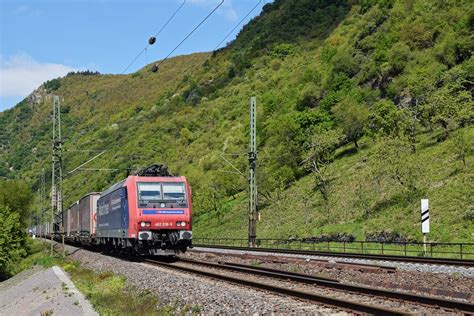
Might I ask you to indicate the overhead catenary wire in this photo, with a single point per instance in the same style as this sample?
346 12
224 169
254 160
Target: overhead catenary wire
83 164
237 25
231 31
157 66
156 35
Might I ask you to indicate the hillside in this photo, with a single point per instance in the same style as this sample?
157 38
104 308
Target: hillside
364 107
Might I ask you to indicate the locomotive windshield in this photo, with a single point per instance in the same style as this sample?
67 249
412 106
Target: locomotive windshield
149 192
173 191
166 194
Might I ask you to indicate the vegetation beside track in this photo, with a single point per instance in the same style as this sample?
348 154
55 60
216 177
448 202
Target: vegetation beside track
15 213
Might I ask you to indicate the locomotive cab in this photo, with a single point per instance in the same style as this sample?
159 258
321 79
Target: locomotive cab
163 212
149 212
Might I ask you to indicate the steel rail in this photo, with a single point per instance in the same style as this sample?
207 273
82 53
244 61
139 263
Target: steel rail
425 260
335 284
274 270
293 276
340 303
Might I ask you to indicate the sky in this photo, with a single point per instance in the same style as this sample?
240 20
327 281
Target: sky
45 39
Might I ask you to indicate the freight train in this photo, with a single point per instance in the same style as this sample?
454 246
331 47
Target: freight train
148 213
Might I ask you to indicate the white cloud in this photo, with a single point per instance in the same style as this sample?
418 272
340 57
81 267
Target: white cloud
21 74
227 9
27 10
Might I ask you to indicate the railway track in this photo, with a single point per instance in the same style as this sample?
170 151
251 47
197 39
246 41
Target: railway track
425 260
326 283
334 300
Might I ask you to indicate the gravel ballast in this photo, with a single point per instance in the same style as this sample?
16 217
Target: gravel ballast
453 282
184 290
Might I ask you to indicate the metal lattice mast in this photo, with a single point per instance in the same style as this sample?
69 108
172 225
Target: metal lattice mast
42 194
252 178
57 174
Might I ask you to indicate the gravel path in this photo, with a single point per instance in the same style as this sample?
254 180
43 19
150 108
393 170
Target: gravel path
39 291
211 296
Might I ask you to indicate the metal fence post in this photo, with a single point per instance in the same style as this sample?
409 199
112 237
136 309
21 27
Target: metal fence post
460 250
382 247
405 248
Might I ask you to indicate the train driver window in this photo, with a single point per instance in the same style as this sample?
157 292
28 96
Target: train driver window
149 192
173 191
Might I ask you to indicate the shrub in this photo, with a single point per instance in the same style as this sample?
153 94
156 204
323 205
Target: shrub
52 85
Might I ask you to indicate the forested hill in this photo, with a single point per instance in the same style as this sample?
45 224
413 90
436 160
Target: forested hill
364 107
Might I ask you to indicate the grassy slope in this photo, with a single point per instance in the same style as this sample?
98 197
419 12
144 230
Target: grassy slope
148 115
448 186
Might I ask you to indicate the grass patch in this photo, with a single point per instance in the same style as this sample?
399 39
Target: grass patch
108 295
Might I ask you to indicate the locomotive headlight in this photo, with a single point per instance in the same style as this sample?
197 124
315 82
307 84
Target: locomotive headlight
183 223
145 224
142 224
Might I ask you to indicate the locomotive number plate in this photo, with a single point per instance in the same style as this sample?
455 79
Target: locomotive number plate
163 224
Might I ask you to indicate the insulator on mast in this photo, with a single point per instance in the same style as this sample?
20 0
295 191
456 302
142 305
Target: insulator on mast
152 40
154 68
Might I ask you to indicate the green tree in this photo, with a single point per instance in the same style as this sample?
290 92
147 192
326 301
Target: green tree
17 196
15 200
391 159
387 120
352 117
451 105
319 155
12 240
461 147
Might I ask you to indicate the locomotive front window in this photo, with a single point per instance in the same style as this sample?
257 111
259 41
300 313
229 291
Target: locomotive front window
173 191
149 192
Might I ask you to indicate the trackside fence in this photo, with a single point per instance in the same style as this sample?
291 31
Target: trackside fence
433 249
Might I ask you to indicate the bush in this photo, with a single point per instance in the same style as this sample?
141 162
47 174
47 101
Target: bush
283 50
12 241
384 236
417 35
52 85
337 237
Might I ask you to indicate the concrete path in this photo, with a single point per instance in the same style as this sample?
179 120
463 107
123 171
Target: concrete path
42 292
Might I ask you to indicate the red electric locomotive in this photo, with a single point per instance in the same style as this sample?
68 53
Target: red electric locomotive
149 212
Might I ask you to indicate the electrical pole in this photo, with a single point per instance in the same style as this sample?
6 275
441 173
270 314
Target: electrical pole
252 178
57 174
42 194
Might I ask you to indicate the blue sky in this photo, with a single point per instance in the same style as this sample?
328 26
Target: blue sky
43 39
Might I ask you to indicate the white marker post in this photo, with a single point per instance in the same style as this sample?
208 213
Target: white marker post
425 222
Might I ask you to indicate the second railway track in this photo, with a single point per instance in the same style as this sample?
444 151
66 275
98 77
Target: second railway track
359 299
410 259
